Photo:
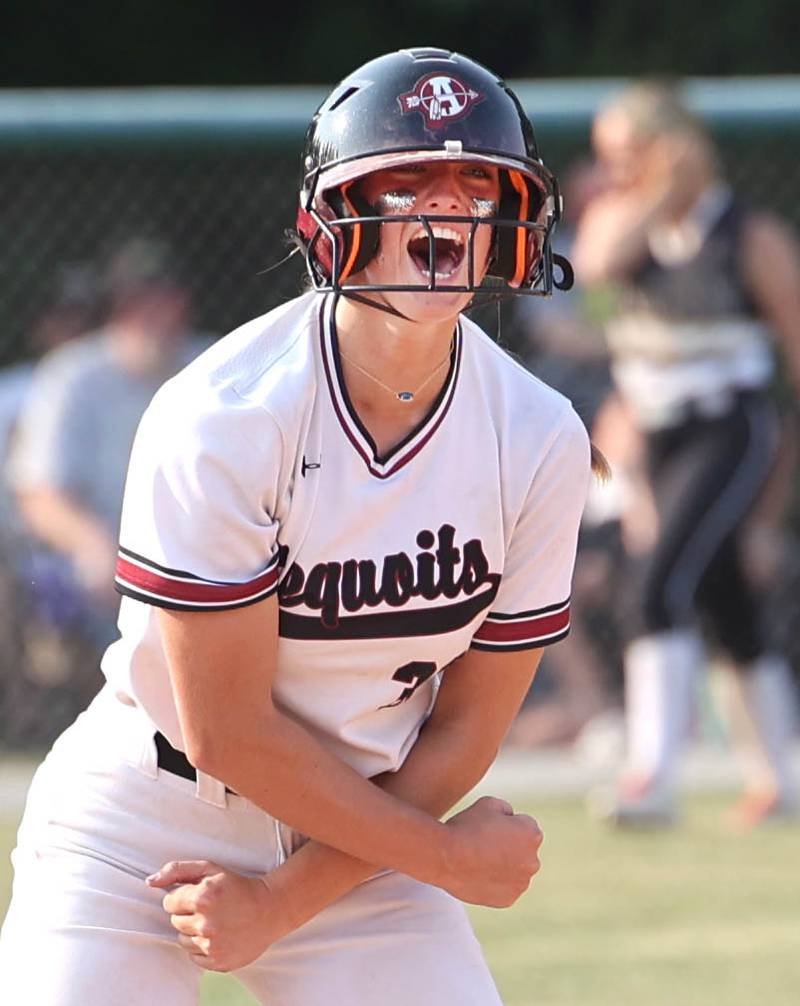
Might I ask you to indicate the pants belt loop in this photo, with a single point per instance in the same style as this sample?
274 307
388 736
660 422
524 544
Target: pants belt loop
147 756
170 759
211 790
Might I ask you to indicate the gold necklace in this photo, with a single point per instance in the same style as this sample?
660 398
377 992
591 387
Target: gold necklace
403 396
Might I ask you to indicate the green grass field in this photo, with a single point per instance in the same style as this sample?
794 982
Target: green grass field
693 917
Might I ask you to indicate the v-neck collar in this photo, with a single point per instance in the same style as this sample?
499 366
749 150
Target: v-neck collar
401 454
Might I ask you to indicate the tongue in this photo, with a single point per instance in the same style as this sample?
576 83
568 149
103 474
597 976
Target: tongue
446 254
446 258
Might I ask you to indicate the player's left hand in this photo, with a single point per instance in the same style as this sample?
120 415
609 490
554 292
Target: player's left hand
224 919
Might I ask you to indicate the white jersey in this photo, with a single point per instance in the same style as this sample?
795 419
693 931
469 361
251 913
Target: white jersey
251 473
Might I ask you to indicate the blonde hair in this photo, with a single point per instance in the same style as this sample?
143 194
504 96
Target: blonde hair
653 108
601 469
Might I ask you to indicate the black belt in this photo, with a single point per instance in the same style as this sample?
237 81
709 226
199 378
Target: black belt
175 761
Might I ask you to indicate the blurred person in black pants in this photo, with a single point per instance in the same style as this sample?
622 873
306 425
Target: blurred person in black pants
702 285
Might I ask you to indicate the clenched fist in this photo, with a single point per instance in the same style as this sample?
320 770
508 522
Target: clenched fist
224 919
494 853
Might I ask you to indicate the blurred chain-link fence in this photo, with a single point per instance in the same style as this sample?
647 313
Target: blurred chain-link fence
215 174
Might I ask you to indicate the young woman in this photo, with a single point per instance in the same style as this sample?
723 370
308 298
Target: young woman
348 530
704 284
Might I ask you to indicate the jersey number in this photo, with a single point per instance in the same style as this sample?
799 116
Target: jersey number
412 675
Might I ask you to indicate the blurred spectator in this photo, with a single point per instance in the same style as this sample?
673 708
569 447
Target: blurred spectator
26 654
69 456
700 282
561 340
70 311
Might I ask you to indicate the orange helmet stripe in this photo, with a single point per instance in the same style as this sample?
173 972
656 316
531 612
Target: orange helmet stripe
522 235
356 246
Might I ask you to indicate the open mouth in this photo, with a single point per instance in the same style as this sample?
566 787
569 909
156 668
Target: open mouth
448 251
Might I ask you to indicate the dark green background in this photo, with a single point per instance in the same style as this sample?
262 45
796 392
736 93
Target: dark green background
100 42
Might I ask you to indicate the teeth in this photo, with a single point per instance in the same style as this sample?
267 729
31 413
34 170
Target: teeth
439 232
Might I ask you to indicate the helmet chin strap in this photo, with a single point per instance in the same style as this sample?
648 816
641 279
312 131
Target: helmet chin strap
374 303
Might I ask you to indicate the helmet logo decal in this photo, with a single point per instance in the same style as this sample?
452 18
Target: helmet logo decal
440 99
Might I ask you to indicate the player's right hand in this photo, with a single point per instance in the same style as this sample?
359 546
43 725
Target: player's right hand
224 920
494 853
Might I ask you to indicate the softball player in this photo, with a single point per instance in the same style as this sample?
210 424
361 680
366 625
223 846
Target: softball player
702 284
348 531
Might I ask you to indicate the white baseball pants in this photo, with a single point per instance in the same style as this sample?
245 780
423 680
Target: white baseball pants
83 928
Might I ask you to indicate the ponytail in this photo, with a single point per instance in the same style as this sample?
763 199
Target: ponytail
600 466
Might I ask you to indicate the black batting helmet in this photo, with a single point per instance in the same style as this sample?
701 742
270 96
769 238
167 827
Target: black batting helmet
414 105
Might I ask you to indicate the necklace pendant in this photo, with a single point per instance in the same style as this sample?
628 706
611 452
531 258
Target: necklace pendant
405 396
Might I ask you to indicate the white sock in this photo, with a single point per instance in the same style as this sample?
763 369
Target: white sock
659 676
768 717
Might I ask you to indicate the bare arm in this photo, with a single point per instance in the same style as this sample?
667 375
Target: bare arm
611 238
616 434
64 525
612 235
60 522
480 695
225 920
771 267
222 665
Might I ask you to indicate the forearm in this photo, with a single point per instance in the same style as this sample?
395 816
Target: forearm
444 765
232 731
284 769
61 523
613 236
477 702
446 762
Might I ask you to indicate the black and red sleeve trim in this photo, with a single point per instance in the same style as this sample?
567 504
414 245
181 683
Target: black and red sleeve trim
147 581
525 630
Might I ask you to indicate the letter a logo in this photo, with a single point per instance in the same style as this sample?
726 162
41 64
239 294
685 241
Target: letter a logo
440 100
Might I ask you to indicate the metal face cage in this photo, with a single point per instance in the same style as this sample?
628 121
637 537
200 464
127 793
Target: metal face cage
539 279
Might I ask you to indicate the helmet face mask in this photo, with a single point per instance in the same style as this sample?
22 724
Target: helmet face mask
330 255
425 106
